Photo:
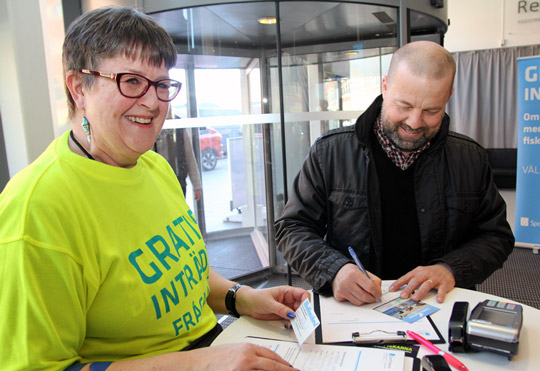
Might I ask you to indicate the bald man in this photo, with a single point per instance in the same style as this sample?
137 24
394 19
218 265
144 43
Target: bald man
415 201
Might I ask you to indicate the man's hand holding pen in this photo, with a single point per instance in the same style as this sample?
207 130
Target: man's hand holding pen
351 284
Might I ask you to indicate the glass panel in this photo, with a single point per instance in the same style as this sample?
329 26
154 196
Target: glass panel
219 66
426 27
333 56
332 67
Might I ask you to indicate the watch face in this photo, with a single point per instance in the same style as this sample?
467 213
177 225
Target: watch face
230 300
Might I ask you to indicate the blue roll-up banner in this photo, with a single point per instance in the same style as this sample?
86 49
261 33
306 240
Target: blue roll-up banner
527 223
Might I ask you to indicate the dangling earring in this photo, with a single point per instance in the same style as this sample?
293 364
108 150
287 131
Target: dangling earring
86 128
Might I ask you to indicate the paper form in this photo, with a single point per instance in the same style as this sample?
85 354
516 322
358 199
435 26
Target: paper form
340 319
333 357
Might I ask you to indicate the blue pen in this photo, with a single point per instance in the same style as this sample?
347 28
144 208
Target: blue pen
358 262
359 265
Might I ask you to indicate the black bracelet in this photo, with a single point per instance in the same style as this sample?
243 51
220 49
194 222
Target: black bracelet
230 300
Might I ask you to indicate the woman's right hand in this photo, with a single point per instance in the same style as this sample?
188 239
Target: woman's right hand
240 356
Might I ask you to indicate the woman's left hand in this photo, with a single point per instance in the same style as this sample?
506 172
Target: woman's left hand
270 304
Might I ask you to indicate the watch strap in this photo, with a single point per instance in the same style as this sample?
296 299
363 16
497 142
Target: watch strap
230 300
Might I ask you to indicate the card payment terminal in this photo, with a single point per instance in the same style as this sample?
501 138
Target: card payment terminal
495 326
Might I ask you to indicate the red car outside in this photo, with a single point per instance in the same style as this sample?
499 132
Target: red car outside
211 147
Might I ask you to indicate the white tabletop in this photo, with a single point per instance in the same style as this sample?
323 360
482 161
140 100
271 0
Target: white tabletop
528 357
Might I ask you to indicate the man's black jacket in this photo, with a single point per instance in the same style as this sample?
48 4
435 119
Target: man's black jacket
335 203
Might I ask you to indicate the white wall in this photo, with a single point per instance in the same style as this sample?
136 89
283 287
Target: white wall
94 4
52 18
490 24
24 92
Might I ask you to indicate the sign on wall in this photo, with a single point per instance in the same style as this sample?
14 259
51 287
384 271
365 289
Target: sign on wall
521 17
527 223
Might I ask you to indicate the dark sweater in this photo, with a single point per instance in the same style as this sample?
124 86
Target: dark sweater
400 229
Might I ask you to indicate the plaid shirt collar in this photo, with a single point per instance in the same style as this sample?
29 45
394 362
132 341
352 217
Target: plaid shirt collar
398 158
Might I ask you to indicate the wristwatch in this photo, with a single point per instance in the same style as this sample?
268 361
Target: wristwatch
230 300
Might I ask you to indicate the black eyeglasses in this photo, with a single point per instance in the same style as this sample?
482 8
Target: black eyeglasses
132 85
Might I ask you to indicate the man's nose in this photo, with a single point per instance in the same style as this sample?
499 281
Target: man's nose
415 119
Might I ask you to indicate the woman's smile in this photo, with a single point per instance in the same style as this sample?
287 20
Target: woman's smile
140 120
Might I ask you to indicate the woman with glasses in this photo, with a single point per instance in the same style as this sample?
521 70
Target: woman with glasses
102 265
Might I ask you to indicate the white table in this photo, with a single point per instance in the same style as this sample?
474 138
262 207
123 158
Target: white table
528 357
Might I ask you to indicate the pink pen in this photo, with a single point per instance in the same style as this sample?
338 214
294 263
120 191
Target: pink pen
428 344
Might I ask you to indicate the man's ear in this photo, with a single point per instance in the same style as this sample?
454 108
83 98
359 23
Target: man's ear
74 83
384 85
451 92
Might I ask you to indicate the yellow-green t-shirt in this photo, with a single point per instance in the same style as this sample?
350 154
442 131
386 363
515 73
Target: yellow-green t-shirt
97 263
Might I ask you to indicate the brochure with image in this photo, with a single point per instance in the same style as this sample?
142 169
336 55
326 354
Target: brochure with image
406 310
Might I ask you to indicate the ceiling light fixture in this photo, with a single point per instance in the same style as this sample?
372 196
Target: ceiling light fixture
267 20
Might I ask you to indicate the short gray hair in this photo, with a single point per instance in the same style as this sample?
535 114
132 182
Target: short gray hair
424 58
113 31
